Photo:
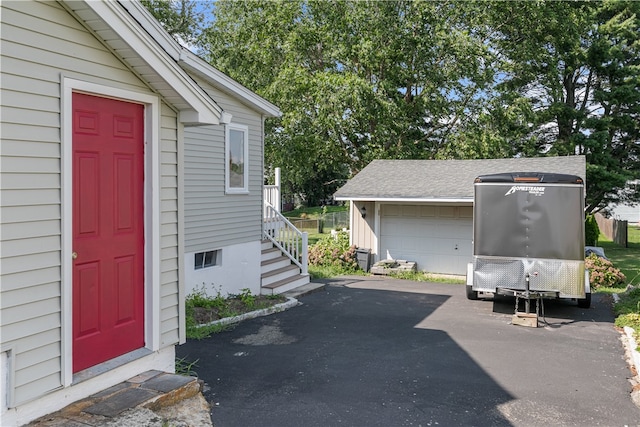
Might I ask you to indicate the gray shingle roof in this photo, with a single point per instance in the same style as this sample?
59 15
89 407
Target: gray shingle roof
443 179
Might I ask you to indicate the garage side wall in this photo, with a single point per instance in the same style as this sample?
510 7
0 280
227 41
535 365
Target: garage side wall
363 233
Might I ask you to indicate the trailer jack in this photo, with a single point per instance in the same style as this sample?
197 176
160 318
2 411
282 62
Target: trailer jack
526 317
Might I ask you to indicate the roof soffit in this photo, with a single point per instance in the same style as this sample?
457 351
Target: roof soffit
198 66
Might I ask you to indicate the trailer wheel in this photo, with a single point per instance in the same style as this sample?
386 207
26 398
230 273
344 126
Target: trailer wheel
586 301
471 294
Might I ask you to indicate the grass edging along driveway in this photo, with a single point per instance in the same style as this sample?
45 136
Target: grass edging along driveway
291 302
626 300
632 347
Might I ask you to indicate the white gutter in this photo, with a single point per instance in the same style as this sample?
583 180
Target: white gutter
192 62
407 199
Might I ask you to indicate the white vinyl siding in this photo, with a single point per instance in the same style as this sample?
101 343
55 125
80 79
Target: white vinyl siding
35 52
363 229
169 305
214 218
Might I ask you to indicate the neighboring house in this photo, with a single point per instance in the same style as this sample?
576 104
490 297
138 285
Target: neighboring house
422 210
626 212
113 177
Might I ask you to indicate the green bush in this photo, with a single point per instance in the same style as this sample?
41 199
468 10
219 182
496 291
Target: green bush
334 251
602 272
591 231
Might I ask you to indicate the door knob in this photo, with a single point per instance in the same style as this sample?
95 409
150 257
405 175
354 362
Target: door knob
74 255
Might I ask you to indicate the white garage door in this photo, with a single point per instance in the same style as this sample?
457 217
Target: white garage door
437 238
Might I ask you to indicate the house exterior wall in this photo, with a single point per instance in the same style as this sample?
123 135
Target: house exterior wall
627 213
215 220
239 269
40 43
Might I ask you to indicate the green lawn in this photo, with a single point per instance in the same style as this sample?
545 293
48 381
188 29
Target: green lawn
314 213
626 259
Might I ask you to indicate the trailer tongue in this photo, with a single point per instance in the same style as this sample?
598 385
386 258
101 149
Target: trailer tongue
528 237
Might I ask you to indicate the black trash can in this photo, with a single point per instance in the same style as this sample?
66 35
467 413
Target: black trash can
363 256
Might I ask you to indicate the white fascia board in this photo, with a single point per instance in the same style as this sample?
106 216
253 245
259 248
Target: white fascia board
468 200
153 27
193 63
203 109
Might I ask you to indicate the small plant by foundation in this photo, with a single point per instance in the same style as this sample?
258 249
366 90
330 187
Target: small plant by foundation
203 309
184 367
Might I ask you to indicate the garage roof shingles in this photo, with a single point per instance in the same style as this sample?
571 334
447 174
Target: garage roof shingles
443 179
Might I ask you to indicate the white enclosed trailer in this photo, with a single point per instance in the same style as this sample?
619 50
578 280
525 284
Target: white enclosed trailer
528 236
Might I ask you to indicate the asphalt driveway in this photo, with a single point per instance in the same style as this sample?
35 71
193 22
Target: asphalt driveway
384 352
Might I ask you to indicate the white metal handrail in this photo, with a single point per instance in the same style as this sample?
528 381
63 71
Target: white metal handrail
286 237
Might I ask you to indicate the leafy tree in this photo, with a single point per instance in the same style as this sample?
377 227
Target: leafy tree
591 231
355 80
183 19
576 64
360 80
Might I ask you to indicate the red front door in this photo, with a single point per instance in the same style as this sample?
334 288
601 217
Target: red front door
108 226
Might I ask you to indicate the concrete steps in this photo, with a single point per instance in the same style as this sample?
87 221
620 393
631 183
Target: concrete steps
152 390
278 273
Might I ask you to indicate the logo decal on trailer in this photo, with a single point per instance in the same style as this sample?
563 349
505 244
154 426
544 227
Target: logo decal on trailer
536 191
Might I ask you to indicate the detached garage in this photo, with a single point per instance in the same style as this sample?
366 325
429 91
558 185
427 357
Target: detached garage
422 210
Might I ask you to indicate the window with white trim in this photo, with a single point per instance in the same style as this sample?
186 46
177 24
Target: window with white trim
207 259
237 158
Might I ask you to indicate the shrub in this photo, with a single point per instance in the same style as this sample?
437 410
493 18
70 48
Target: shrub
334 251
200 298
591 231
247 298
602 272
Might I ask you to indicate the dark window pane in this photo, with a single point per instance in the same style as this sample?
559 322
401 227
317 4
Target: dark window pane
199 260
210 258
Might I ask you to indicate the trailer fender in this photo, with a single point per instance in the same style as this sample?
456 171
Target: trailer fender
587 284
471 294
586 301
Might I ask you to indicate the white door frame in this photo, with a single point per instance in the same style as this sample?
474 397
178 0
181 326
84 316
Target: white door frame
151 212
